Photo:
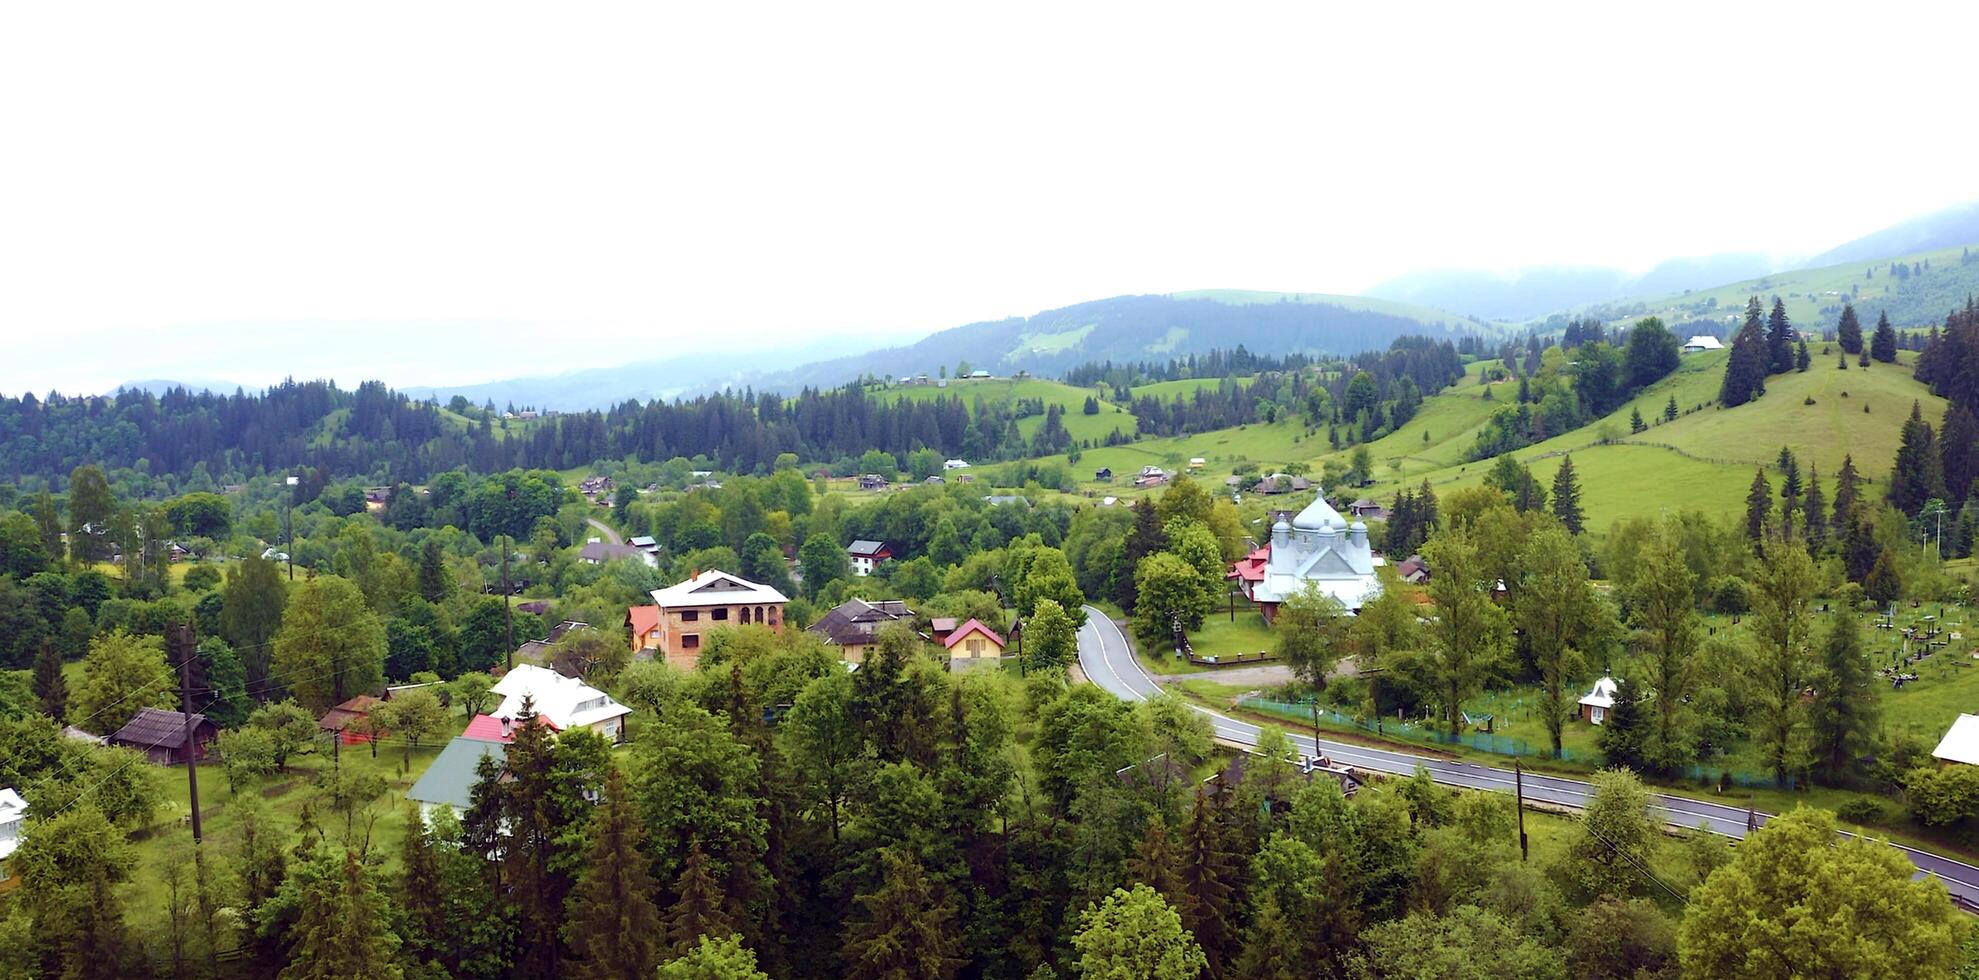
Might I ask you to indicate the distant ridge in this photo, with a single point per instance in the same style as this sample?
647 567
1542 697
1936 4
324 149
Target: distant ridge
1956 225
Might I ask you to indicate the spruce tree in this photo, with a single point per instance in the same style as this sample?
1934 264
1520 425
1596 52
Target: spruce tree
50 690
1636 424
434 583
1883 346
1566 495
342 931
1758 504
1845 706
904 929
697 911
1815 508
1207 873
1801 360
1858 546
1883 585
421 892
1918 475
1745 368
1146 538
610 922
1779 340
1789 491
1843 364
1848 333
1847 488
1153 862
1670 410
1625 729
1958 451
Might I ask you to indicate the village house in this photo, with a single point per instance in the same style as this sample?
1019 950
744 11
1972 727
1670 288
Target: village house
711 600
343 721
161 736
449 780
1413 570
1151 476
1103 474
596 552
642 625
872 481
1961 742
1368 509
646 543
1317 547
955 464
564 703
1596 704
1702 342
853 626
1278 483
538 651
971 644
867 555
13 813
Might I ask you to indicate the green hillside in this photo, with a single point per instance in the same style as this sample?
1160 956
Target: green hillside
1814 296
1427 315
1004 391
1167 390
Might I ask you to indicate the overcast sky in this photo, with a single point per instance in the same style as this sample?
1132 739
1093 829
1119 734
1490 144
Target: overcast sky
436 193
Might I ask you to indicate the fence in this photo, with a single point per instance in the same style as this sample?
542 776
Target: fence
1301 712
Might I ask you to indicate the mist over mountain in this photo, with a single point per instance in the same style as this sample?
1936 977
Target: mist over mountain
1955 225
639 380
1526 293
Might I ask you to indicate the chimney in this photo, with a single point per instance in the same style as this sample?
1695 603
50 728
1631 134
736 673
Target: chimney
508 725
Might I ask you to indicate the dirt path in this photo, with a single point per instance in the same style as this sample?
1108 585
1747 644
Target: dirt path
611 536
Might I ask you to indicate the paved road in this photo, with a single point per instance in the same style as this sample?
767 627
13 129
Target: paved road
611 536
1108 661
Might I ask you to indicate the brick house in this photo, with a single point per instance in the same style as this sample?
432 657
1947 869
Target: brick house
708 601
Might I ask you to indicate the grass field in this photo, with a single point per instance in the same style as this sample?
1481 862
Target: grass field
1003 391
1168 390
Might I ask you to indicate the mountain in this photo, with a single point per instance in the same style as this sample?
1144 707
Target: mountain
1952 226
1525 293
1138 328
643 380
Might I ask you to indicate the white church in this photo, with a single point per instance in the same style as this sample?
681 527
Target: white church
1319 547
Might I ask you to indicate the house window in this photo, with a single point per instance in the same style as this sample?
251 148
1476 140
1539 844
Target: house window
718 615
690 616
691 641
745 615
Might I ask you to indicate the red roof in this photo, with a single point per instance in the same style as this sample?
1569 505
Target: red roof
644 619
488 728
972 626
1251 567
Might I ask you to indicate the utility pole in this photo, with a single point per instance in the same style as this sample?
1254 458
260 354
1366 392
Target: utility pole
288 518
508 606
185 650
1518 777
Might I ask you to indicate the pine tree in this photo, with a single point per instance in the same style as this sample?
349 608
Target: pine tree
1845 707
1207 871
698 911
1636 424
1862 359
1789 491
1883 346
1848 332
50 691
1745 368
1847 487
1801 360
610 922
1883 585
1146 538
904 929
1843 365
1815 509
1272 950
1625 729
342 930
1758 504
1779 339
421 892
434 583
1566 495
1670 410
1958 450
1918 475
1153 862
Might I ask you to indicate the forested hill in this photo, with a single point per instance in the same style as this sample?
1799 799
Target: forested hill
1140 328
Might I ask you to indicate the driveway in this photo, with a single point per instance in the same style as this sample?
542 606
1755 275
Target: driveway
611 536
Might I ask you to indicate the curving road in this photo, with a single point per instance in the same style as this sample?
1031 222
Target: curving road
1108 660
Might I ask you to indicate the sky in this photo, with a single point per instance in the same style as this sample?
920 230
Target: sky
444 193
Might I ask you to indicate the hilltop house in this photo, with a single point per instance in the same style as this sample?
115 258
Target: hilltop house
853 626
161 736
867 555
955 464
711 600
1317 547
561 702
1702 342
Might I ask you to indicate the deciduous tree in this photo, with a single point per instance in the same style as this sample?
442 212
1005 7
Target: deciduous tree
1135 935
331 645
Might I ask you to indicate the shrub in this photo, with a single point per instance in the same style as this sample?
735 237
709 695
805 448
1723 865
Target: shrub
1862 810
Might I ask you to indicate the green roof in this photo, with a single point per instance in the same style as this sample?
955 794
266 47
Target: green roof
451 777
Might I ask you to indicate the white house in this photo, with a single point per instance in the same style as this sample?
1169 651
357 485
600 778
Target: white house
564 702
1595 706
955 464
13 811
1960 744
1318 547
1703 341
867 555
